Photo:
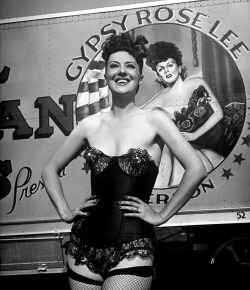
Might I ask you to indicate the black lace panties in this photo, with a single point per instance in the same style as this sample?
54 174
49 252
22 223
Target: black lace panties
100 261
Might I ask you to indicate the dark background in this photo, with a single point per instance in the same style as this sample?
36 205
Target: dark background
183 260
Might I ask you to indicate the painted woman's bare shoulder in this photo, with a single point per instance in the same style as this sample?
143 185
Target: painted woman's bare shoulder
159 99
160 113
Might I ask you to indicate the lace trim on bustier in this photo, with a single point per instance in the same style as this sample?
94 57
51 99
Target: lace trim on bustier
96 159
102 260
135 162
197 112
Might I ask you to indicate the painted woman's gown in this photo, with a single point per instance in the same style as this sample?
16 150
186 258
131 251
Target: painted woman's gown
189 119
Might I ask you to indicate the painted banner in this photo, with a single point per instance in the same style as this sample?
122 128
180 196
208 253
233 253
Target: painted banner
52 76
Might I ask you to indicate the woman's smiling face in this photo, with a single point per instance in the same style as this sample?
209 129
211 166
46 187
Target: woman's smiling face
168 71
122 73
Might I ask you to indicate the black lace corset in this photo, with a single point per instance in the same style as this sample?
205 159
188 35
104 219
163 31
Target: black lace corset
113 177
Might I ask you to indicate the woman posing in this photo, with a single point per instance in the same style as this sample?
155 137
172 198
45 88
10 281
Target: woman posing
190 103
112 241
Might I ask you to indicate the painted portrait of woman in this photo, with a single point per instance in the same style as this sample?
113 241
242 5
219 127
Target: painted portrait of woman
200 87
194 80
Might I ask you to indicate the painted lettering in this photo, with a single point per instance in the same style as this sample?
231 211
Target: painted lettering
92 43
63 173
23 188
162 198
197 193
49 109
25 171
204 186
114 31
122 24
143 15
241 215
170 14
108 32
237 48
213 29
5 171
34 187
71 77
226 37
183 15
83 55
207 185
197 19
12 118
97 39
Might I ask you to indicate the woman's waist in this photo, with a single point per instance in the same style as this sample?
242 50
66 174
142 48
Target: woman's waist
110 189
112 197
113 230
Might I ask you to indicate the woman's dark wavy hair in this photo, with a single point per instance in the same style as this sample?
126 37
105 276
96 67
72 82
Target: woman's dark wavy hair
161 51
126 42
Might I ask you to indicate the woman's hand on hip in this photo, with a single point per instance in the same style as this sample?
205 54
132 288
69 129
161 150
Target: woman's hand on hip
81 210
135 207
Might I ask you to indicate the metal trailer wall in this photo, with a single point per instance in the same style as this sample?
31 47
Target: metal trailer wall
25 8
52 57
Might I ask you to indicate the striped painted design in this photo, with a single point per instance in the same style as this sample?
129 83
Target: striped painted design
93 92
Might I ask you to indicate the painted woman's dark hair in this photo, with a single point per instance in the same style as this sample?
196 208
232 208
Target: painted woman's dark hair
126 42
162 51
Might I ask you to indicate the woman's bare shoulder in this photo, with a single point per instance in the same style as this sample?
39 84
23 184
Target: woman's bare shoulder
90 122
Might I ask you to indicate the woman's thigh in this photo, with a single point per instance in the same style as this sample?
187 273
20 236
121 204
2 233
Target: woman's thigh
83 270
130 274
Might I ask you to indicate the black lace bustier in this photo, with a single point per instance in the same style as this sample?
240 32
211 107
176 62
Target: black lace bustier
197 112
113 177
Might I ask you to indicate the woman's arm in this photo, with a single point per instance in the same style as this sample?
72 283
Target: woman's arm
50 175
195 171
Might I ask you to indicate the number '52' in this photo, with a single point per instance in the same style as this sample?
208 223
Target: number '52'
241 215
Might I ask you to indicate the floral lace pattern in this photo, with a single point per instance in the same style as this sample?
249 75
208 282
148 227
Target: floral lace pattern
102 260
196 113
96 159
135 162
